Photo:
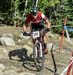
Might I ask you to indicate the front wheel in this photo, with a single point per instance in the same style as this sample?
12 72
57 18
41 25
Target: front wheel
38 56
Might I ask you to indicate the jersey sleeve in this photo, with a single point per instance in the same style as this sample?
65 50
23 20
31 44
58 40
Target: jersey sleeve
46 20
28 19
43 16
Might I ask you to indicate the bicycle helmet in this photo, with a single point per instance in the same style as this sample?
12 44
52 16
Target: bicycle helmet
34 11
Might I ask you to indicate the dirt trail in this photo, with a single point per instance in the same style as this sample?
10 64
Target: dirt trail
62 59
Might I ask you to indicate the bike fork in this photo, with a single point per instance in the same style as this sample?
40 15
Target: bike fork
36 52
40 50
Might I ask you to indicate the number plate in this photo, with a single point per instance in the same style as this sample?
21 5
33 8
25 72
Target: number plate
36 34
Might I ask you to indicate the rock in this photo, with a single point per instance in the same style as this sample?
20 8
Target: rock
3 53
10 72
19 40
6 41
1 73
7 35
2 67
24 73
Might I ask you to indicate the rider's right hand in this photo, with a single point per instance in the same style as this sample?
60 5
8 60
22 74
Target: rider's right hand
24 33
47 29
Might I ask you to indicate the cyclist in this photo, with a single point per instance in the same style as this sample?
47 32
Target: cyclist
35 20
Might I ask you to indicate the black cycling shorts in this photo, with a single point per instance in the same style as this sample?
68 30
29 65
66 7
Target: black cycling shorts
36 27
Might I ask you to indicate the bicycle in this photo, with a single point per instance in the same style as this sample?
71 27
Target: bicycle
38 49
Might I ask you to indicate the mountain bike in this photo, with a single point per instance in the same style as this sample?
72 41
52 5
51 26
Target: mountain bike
38 48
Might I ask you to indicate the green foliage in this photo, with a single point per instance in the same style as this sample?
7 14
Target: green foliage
55 10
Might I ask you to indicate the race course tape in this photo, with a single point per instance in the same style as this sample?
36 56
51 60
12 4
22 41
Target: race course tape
68 69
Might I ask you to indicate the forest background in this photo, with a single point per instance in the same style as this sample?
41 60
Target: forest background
13 10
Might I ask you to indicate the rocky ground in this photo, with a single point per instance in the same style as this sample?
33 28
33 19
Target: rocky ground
20 50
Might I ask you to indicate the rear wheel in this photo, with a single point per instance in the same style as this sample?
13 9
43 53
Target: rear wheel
38 56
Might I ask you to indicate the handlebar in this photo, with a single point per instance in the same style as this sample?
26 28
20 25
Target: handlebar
45 30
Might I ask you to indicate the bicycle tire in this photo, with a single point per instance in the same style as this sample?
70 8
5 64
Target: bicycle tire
39 61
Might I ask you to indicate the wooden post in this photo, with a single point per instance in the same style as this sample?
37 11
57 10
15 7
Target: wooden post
67 34
61 43
64 30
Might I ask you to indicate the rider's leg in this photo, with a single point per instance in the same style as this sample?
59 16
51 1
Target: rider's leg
45 44
24 28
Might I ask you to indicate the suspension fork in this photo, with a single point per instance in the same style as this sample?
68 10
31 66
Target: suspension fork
41 50
39 47
36 48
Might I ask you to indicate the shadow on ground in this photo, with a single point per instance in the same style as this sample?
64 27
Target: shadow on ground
26 60
20 53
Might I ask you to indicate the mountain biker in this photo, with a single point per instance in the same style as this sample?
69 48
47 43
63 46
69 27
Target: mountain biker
34 20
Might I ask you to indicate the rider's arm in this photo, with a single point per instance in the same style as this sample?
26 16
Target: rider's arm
28 19
48 24
27 22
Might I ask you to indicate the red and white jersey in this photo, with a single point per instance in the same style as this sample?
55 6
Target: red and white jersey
36 20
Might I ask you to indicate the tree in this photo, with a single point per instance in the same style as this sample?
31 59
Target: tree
55 10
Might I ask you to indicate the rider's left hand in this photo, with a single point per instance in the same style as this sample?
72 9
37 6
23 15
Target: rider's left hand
47 29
